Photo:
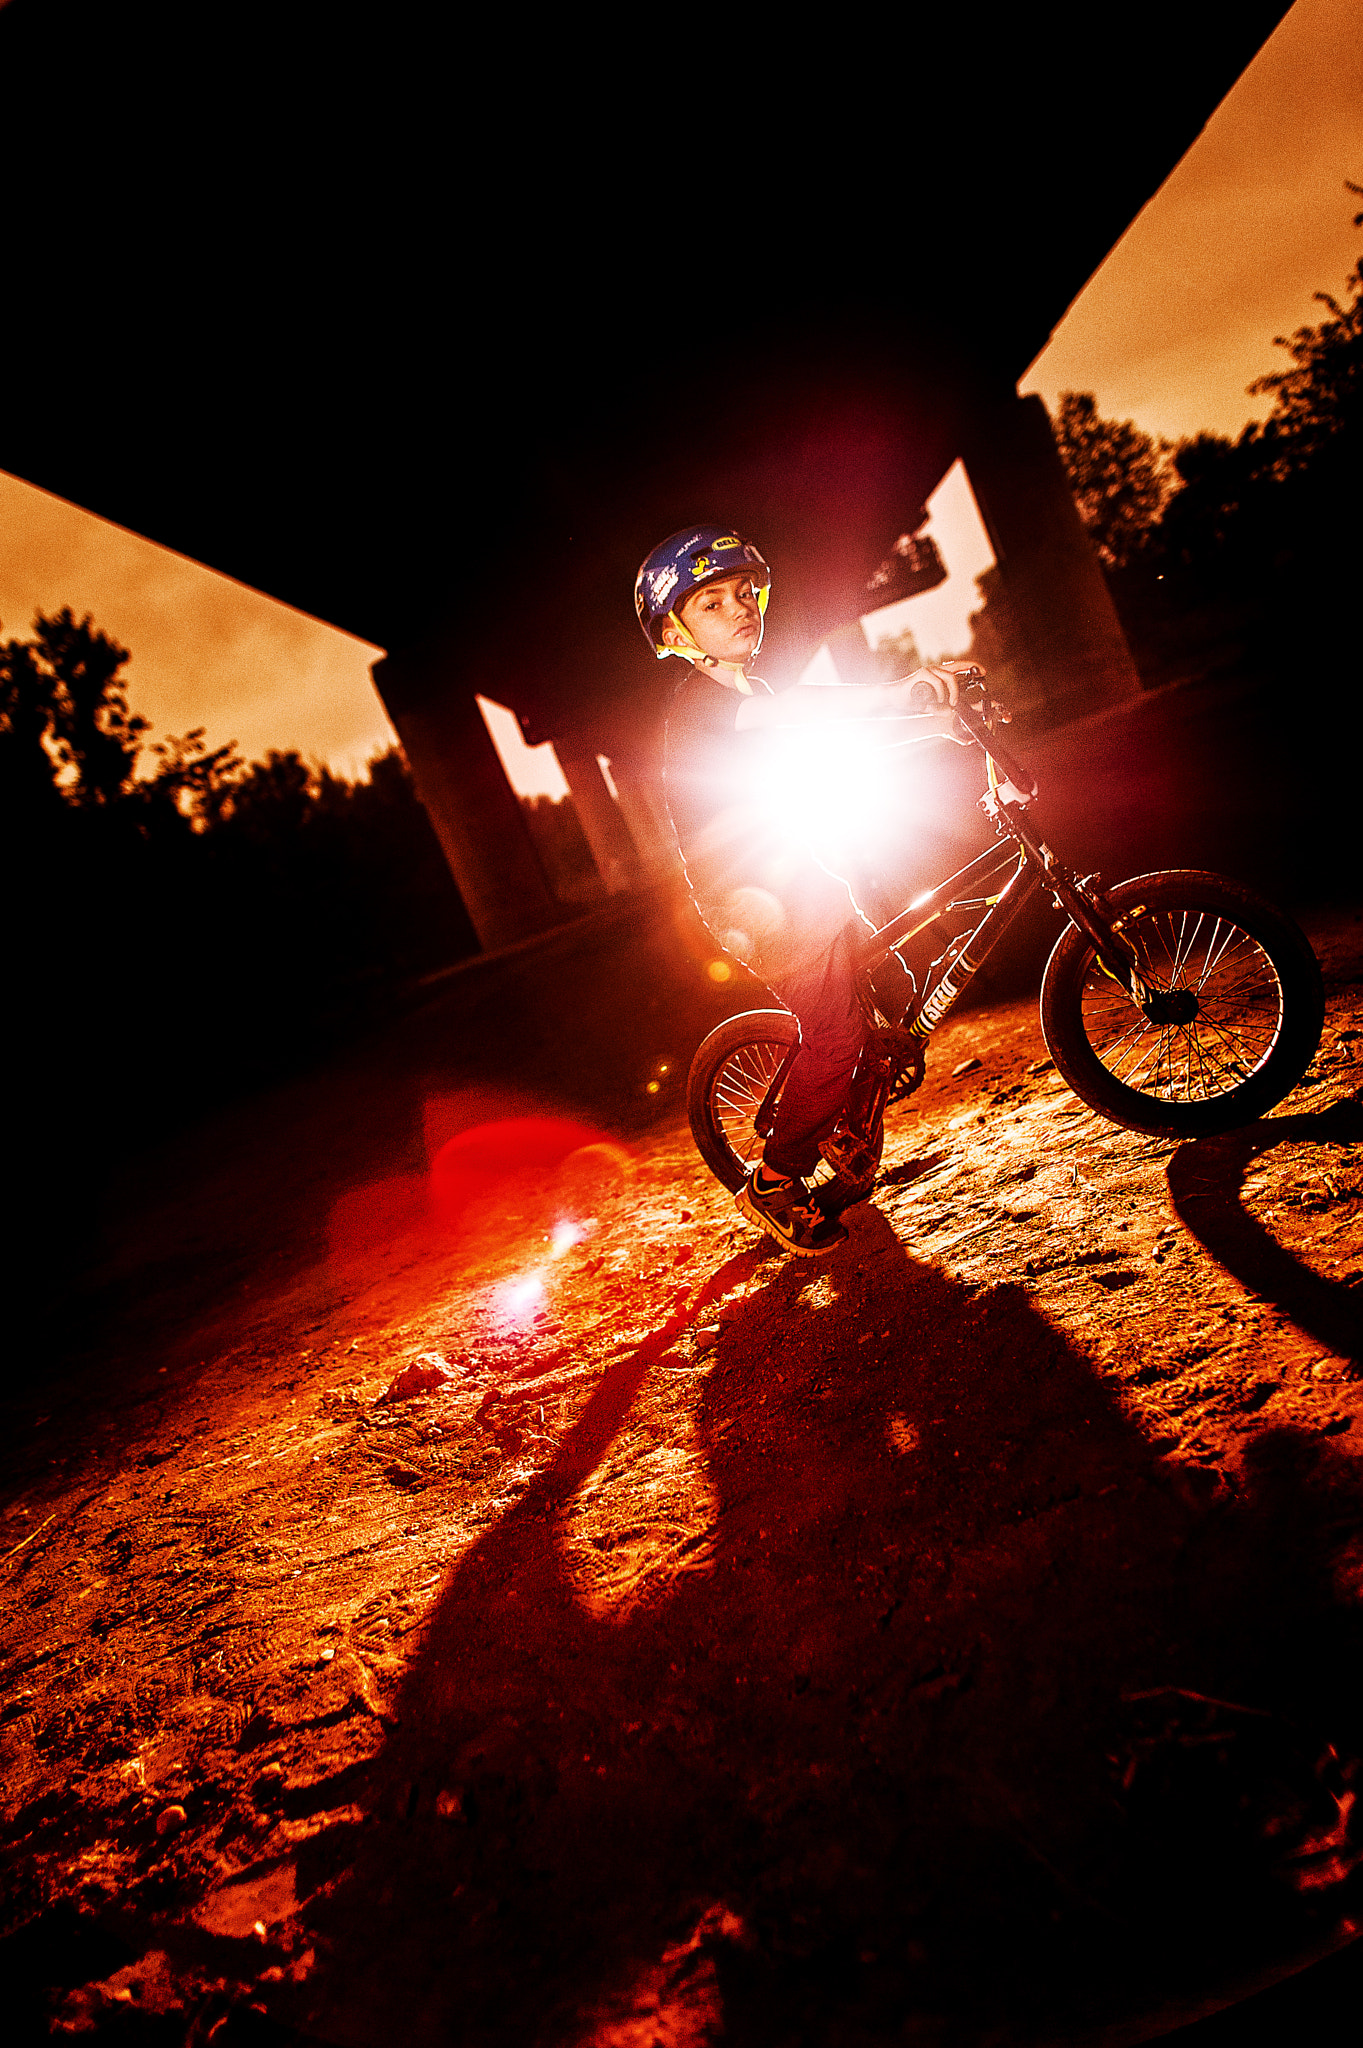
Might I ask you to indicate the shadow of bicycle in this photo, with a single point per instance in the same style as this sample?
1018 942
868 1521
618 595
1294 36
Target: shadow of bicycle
1206 1183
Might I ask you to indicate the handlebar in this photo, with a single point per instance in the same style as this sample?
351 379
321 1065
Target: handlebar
925 698
978 715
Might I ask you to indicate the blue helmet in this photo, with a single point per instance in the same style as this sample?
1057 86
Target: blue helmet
681 563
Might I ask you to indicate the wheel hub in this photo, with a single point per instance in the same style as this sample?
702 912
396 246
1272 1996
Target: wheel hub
1171 1006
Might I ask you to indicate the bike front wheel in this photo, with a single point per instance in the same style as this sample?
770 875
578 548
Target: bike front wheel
731 1078
1232 1018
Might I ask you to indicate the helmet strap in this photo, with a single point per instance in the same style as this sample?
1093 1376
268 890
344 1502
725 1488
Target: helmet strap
692 652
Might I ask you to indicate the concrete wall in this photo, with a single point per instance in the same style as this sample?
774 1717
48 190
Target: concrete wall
1049 634
603 827
476 813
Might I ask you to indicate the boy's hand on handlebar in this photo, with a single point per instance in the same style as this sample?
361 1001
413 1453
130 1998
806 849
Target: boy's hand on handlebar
939 684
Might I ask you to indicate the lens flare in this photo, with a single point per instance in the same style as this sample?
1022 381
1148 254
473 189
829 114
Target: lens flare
518 1300
471 1169
589 1188
828 790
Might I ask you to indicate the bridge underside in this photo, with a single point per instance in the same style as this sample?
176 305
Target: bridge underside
443 382
591 688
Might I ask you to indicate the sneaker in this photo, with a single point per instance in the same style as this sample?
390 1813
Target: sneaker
833 1197
786 1213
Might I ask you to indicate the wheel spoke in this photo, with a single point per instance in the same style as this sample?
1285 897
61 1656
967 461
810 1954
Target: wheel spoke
1179 953
740 1088
1215 953
1239 1008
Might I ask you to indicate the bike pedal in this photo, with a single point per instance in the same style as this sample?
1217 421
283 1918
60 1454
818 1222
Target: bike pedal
849 1154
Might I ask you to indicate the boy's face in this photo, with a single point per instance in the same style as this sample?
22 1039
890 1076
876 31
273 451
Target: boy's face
724 618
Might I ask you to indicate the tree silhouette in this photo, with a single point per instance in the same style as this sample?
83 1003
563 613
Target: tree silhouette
1280 496
1318 402
28 769
1119 476
192 785
180 923
94 735
1217 549
69 741
273 799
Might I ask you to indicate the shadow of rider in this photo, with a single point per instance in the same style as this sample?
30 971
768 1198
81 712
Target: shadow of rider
854 1771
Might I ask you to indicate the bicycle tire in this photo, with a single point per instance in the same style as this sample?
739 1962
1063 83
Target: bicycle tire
726 1086
1260 1008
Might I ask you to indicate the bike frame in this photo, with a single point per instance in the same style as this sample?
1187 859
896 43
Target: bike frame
1024 864
1034 866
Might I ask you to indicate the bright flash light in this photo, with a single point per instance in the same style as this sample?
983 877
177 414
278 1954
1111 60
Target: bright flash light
719 970
651 1087
565 1236
828 788
518 1300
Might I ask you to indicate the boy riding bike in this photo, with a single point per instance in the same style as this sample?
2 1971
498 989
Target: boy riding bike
701 595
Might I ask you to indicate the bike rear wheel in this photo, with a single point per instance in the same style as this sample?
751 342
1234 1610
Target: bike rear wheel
1242 1018
730 1078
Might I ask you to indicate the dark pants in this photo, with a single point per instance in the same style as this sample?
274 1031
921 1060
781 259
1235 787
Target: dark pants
822 995
796 926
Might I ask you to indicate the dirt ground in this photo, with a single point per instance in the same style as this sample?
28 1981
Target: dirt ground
955 1640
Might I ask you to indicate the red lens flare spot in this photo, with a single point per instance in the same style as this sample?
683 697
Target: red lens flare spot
589 1184
469 1168
504 1193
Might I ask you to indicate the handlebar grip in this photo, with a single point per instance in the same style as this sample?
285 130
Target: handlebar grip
924 698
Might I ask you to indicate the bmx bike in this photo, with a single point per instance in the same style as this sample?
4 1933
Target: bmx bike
1178 1003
